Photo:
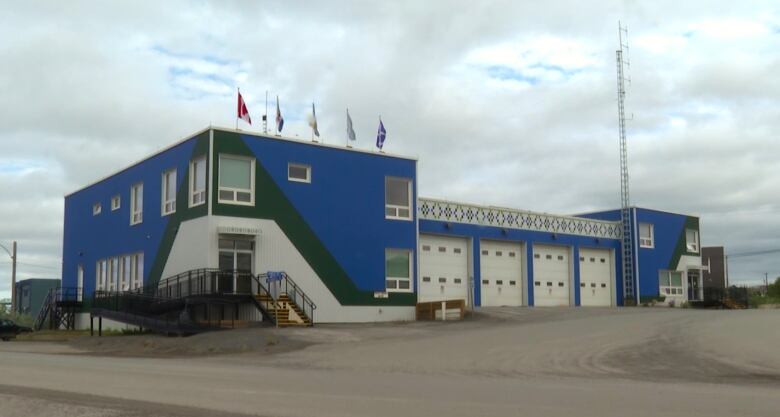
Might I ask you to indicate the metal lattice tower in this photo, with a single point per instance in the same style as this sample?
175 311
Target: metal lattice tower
629 292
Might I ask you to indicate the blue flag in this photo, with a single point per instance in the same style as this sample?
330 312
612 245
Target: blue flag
381 134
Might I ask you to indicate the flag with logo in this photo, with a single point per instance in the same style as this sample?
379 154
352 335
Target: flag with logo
350 130
279 118
243 112
381 134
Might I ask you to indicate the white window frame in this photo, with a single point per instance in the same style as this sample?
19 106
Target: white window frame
647 242
396 208
251 189
197 197
692 246
136 213
116 202
96 209
398 279
168 206
137 270
296 165
671 290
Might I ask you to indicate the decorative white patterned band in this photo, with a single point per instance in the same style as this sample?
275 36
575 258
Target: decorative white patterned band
448 211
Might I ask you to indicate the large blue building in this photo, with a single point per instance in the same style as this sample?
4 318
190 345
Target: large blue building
349 228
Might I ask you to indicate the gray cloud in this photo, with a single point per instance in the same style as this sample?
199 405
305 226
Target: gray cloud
87 89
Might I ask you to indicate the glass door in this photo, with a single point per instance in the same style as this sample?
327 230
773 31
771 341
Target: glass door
235 265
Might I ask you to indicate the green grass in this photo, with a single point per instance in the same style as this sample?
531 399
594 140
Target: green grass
757 300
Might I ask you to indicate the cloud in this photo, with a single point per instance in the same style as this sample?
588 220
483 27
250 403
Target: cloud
505 103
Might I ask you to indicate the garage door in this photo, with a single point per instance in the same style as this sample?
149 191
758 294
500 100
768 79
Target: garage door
595 277
443 268
551 275
501 273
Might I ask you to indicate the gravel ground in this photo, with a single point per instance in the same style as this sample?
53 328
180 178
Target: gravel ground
502 361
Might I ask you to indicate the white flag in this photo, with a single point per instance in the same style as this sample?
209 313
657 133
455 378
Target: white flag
350 130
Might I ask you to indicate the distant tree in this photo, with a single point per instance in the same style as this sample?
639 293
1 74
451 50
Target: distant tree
773 290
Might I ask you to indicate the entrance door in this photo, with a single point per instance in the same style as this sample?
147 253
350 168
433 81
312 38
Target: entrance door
235 264
693 284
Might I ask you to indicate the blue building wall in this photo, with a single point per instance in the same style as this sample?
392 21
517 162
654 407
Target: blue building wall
88 238
668 239
345 202
530 238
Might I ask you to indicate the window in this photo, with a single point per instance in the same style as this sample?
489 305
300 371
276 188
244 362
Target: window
236 180
299 172
692 240
426 248
456 250
96 209
198 181
485 282
511 254
499 282
670 282
646 235
536 256
548 256
484 252
138 270
499 253
442 249
457 280
169 192
137 203
426 279
114 276
126 270
512 282
398 267
116 202
442 280
398 198
560 257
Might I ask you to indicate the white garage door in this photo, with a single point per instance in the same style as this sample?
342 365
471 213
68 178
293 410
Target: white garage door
595 277
501 273
551 275
443 268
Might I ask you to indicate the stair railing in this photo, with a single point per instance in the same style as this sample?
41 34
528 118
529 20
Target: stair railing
281 283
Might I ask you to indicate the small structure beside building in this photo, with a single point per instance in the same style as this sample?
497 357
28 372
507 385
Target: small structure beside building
31 293
716 276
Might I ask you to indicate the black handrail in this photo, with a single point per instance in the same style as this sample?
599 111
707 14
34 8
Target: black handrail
286 285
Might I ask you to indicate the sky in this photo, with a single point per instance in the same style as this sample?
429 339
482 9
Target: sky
505 103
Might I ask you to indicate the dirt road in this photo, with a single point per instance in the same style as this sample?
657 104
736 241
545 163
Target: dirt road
546 362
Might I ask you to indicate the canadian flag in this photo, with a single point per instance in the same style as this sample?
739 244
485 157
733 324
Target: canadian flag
243 112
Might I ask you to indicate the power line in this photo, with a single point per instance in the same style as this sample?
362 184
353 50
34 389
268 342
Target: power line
32 265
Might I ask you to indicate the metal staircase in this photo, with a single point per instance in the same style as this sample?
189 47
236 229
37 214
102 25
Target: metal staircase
59 309
171 305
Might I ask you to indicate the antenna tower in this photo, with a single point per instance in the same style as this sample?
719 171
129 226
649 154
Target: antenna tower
629 271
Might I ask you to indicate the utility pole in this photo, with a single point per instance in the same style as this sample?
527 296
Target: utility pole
12 254
13 280
766 283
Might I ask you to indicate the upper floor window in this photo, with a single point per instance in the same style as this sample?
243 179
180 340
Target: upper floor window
236 180
137 203
299 172
398 198
398 267
646 235
692 240
197 181
96 209
116 202
169 192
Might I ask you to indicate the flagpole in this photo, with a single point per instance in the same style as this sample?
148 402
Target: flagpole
238 91
265 118
347 129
